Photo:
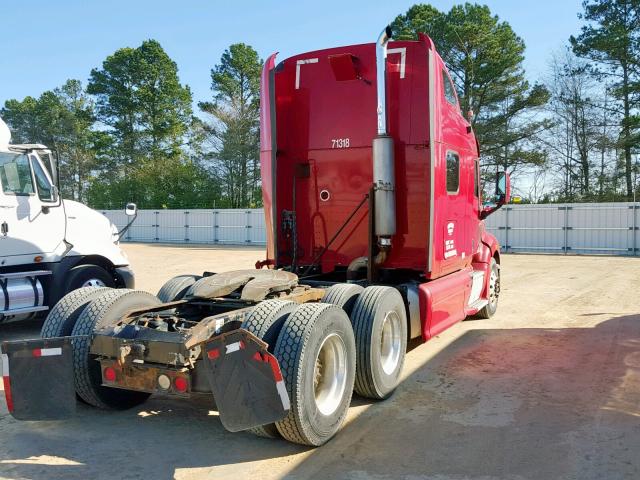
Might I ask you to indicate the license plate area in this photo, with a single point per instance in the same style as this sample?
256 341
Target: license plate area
146 378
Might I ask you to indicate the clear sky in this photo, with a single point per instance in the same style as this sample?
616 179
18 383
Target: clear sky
45 42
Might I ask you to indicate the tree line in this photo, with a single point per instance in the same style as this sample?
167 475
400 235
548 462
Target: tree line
130 133
571 136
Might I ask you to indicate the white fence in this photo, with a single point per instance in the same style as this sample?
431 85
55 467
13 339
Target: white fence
572 228
579 228
231 227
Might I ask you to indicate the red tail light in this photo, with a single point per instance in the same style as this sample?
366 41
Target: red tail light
181 384
109 374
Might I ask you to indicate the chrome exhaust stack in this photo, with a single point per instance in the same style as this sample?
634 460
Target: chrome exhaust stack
383 160
381 78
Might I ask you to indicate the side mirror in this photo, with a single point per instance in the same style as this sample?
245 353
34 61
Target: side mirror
503 194
503 188
54 199
131 210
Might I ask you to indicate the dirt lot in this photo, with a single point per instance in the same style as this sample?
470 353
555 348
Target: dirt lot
547 389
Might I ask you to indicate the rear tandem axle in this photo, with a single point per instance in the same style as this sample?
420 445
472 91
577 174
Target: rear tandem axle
278 357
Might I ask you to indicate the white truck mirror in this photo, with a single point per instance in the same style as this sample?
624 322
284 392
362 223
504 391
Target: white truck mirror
131 210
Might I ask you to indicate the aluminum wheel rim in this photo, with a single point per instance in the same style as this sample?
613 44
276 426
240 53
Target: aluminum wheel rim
494 287
390 342
330 374
94 282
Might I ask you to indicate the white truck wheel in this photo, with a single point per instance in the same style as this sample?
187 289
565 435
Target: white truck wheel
88 276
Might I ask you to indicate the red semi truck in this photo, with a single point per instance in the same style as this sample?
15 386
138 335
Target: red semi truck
372 196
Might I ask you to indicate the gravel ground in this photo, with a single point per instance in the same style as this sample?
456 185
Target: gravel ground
547 389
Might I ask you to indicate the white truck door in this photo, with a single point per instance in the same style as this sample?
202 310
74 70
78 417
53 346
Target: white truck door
25 227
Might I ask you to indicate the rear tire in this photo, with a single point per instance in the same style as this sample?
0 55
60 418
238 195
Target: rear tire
380 326
490 308
344 295
104 311
316 352
63 316
175 288
265 322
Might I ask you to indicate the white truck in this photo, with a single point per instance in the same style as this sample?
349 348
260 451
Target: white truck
49 246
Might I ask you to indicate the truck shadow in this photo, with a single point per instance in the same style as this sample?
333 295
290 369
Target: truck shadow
513 403
20 330
494 403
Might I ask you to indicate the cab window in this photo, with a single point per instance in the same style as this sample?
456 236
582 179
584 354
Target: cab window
449 91
15 174
453 172
42 182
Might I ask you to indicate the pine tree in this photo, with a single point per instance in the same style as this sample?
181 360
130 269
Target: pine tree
484 57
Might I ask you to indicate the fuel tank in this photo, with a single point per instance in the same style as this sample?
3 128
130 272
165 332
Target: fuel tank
21 296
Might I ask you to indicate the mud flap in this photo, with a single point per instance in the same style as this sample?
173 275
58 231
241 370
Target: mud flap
38 378
245 380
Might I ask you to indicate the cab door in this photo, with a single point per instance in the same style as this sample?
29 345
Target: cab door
456 172
31 222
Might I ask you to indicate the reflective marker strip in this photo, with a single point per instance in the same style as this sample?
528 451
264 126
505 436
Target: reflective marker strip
302 62
5 365
234 347
282 390
280 386
6 382
277 375
47 352
403 55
